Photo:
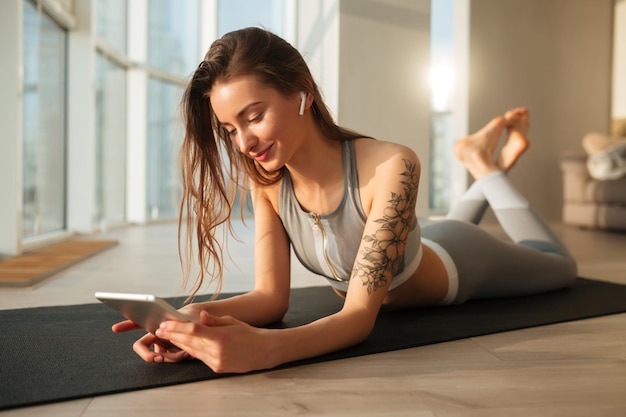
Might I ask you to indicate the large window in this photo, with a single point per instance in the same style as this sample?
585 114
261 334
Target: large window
237 14
442 82
110 164
173 36
110 19
110 143
44 132
164 133
173 53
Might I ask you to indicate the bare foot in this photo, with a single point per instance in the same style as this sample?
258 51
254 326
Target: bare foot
517 123
476 150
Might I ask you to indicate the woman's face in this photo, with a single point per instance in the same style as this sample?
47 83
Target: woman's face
262 123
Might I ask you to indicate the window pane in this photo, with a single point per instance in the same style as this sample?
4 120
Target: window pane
43 124
173 40
442 82
164 141
238 14
111 22
440 161
110 143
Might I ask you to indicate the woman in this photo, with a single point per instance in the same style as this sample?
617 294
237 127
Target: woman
345 202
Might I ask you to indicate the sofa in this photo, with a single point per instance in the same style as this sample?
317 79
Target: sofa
590 203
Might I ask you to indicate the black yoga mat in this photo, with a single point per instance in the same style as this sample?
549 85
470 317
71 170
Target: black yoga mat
60 353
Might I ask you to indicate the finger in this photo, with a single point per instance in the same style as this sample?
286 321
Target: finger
210 320
169 354
124 326
186 351
144 348
152 349
181 336
207 319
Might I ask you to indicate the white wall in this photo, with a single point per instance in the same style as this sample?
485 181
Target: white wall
554 57
619 61
383 74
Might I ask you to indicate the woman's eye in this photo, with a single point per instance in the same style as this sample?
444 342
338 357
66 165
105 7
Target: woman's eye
231 133
256 118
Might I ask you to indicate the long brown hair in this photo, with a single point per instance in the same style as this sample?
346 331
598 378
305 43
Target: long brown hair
214 173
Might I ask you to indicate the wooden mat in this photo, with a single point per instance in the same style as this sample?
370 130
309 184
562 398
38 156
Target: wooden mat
31 268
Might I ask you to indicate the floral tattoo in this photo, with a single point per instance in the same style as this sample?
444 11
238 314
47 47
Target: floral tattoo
385 254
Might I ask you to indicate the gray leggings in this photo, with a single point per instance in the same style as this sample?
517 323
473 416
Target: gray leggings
535 261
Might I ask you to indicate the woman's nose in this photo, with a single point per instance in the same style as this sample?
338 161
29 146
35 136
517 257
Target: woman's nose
247 140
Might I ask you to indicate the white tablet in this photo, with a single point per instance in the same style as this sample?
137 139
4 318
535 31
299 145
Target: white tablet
145 310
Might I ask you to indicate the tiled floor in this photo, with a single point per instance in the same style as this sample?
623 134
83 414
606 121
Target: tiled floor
570 369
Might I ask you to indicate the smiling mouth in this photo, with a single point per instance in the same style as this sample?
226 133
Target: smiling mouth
263 154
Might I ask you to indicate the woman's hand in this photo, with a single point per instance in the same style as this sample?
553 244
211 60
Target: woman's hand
193 310
151 348
154 349
225 344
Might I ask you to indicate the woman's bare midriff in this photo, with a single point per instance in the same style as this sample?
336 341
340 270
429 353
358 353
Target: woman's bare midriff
426 287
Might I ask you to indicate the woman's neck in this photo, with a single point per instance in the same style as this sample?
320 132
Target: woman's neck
318 162
316 173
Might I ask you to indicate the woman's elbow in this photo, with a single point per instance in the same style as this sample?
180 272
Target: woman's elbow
276 313
281 311
361 327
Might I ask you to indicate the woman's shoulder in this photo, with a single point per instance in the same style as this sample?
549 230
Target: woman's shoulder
373 153
380 163
262 194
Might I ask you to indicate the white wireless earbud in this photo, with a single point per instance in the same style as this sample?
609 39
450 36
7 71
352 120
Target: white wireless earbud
302 103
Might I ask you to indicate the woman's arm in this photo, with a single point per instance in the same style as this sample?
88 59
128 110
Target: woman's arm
268 301
265 304
228 345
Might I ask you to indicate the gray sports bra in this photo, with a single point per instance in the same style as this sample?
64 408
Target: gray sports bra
327 244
